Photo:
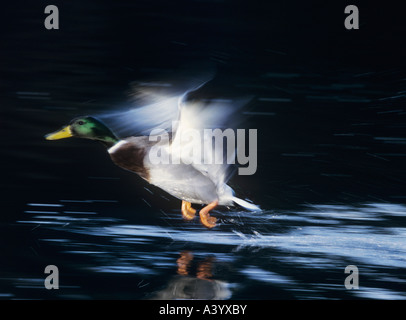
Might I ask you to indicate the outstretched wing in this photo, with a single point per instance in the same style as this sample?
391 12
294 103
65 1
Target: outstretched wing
206 134
154 103
140 121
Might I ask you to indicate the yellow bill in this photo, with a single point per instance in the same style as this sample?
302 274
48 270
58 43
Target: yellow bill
61 134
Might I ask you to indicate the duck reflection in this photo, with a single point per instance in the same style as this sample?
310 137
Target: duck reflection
185 285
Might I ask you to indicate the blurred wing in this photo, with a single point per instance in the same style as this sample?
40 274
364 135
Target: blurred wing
202 126
154 103
142 120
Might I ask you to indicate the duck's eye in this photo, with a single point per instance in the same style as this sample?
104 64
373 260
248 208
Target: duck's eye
80 122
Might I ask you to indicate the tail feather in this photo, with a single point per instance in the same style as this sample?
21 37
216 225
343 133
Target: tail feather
246 204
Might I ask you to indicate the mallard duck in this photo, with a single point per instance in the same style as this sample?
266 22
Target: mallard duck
198 184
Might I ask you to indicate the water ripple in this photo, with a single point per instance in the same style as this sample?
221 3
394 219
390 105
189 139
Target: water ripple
269 248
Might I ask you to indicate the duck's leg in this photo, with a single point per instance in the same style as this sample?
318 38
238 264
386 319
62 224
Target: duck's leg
205 217
188 212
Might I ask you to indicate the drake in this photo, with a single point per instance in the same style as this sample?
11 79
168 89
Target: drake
187 182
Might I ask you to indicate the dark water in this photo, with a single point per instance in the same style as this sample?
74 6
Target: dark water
329 106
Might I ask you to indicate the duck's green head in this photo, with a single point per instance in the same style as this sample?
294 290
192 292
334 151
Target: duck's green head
85 127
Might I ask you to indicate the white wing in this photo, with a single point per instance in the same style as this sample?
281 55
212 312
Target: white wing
154 103
206 135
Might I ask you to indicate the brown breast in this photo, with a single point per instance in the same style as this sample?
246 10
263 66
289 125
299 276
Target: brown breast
131 157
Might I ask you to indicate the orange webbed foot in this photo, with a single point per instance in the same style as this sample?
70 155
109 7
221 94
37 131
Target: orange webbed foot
188 212
205 218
